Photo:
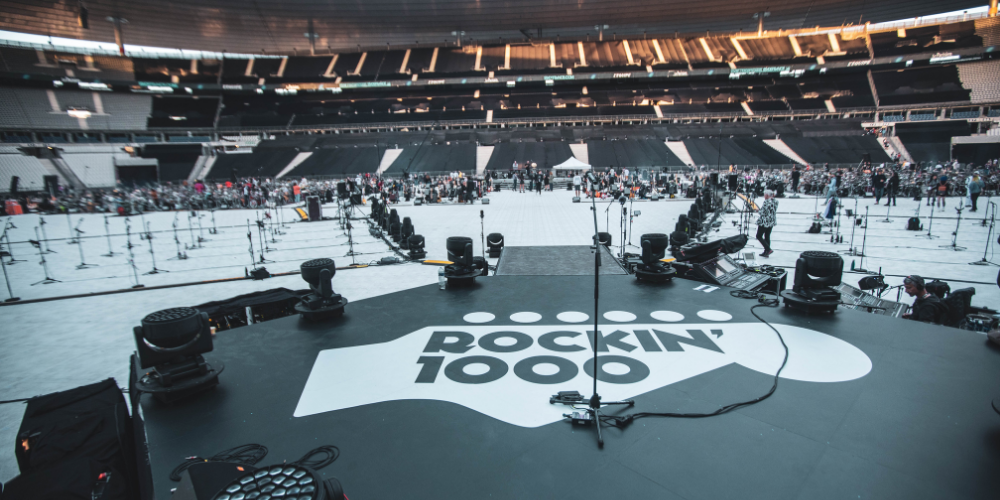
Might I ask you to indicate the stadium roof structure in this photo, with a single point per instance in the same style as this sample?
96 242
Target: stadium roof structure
289 26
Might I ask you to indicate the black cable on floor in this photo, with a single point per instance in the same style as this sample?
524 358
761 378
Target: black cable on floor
624 421
328 455
247 454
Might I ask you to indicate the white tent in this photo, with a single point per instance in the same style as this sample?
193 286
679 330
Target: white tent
572 164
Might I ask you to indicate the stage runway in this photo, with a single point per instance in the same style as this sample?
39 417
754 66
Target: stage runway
444 394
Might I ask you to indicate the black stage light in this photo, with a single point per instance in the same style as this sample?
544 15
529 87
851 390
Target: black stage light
678 239
323 303
816 273
171 342
376 208
872 283
464 267
282 481
652 269
683 225
494 242
393 217
415 243
604 238
404 233
395 231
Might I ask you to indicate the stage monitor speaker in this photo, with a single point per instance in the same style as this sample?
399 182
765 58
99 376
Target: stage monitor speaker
732 182
486 201
13 184
51 184
315 208
576 199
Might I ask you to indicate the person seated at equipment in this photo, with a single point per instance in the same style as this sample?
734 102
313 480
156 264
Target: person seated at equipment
927 307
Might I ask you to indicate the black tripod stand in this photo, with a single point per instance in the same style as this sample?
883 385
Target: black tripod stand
989 237
593 411
45 237
930 224
83 264
350 242
107 234
954 236
177 241
7 225
45 267
149 238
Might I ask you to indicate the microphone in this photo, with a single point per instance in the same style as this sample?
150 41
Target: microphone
481 214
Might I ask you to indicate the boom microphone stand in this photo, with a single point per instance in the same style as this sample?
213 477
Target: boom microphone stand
83 265
253 261
180 255
989 236
131 255
930 223
45 266
149 238
954 236
593 412
107 234
45 237
213 230
854 224
3 264
10 247
69 227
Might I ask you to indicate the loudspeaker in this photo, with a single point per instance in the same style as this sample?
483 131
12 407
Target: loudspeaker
51 184
13 184
417 202
202 481
576 199
315 208
486 201
732 182
714 176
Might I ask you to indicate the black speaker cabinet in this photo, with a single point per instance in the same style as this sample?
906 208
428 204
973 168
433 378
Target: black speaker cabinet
315 208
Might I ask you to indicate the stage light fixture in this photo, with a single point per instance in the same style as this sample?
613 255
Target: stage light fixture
816 273
171 342
282 481
494 242
678 239
416 246
323 302
464 267
652 269
604 238
393 217
395 231
404 234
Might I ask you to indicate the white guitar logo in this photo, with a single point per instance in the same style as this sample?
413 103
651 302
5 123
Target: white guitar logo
509 371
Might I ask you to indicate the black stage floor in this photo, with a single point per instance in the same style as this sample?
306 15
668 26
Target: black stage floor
570 260
426 400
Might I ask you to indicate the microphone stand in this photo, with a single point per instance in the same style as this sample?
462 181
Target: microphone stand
83 264
930 224
149 239
180 255
10 246
594 408
107 234
45 237
983 261
41 262
3 264
954 236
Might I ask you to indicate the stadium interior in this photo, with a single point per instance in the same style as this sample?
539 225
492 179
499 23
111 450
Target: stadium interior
176 135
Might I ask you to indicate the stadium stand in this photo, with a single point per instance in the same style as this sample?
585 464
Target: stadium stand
945 37
331 161
183 111
976 154
434 158
919 85
931 142
267 160
982 79
837 149
175 160
93 165
37 108
28 169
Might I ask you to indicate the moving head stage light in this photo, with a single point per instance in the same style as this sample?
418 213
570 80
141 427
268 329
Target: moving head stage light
415 243
464 267
171 342
604 238
494 242
654 248
404 234
816 273
323 303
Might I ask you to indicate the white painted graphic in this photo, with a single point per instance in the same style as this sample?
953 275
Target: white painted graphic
509 371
